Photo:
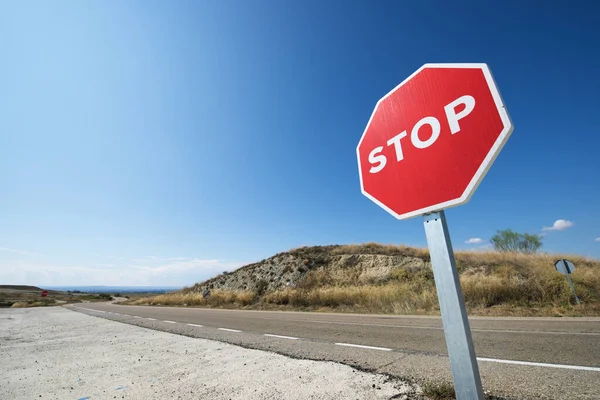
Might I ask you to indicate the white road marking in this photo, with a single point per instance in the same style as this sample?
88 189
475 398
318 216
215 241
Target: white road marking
170 322
91 309
199 326
438 328
535 364
364 347
281 336
135 316
116 313
365 324
228 330
538 332
151 319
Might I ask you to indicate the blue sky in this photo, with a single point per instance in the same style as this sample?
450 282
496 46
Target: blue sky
159 143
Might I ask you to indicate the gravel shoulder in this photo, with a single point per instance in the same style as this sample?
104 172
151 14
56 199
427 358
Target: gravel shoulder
55 353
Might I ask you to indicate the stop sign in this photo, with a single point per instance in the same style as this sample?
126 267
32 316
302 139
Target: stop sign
431 140
44 293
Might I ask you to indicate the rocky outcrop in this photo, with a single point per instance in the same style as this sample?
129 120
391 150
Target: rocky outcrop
289 269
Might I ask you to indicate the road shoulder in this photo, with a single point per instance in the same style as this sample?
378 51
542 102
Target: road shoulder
55 353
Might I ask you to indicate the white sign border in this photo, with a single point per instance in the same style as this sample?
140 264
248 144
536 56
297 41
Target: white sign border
485 165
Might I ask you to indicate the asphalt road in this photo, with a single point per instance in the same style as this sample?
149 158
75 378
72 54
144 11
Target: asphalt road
553 358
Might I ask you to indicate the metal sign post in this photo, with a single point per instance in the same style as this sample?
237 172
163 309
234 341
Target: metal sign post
467 382
567 267
427 146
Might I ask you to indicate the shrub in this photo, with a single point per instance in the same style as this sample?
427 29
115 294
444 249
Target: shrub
261 287
510 241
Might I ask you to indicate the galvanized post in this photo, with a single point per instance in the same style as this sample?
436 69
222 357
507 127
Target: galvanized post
572 287
467 382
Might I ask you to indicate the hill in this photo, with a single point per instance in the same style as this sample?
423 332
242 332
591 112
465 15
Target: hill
378 278
20 288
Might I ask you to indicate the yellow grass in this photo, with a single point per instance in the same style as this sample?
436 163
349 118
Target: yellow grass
390 299
21 304
217 298
39 303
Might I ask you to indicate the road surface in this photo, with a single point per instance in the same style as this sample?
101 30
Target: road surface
526 358
52 353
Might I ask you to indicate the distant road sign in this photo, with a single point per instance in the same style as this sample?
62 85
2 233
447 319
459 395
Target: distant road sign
44 293
567 267
564 267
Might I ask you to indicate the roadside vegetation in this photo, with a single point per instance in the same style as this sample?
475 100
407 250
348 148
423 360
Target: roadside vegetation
439 391
495 283
20 296
34 303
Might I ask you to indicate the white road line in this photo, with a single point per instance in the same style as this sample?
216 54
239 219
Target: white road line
199 326
151 319
135 316
170 322
116 313
365 324
228 330
281 337
438 328
364 347
535 364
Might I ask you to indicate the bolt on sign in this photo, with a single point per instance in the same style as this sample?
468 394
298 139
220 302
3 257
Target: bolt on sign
427 146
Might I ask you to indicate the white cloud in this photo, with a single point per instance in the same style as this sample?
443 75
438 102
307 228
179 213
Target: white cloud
477 248
17 251
182 272
597 239
474 241
155 259
559 225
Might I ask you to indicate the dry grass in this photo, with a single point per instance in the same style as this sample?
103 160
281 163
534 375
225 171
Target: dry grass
384 249
390 299
493 284
218 298
21 304
439 391
39 303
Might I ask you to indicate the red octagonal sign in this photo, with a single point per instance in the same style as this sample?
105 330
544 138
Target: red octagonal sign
431 140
